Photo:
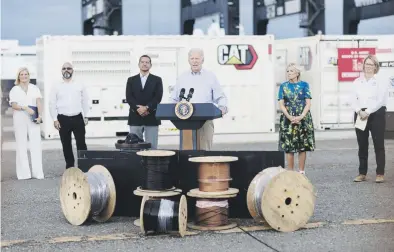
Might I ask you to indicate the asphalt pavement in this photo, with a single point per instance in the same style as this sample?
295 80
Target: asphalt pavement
348 216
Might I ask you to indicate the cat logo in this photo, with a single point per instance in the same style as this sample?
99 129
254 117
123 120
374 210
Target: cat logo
243 57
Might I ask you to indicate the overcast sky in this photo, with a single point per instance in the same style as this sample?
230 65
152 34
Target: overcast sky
25 20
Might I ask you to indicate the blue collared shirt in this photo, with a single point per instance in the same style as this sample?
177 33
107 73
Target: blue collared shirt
206 88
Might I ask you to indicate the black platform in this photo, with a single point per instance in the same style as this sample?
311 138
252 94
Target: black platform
127 171
389 130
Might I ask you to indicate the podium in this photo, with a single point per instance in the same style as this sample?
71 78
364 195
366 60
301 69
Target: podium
189 122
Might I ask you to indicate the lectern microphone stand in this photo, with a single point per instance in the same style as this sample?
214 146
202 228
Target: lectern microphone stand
188 118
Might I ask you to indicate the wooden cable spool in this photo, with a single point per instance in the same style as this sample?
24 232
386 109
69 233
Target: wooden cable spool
213 172
154 194
78 197
158 175
283 199
163 215
212 207
211 212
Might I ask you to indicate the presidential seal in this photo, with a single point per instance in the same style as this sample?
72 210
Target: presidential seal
184 110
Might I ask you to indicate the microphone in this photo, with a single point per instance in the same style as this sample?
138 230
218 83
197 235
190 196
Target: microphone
181 94
190 95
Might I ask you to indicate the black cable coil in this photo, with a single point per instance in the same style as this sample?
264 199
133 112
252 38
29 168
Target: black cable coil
157 173
161 215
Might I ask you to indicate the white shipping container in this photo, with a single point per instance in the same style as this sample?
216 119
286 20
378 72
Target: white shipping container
14 56
318 56
385 55
103 64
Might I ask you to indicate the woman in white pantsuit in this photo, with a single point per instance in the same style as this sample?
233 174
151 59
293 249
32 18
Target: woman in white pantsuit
23 95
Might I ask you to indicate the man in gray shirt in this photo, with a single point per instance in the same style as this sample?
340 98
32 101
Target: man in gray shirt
206 90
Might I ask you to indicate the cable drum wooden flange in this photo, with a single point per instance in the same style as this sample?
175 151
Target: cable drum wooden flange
284 199
214 172
76 198
230 193
169 193
156 153
179 224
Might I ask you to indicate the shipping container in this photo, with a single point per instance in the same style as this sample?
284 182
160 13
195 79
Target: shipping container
243 65
14 56
331 79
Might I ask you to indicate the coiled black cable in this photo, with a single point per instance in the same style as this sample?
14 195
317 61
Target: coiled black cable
157 173
161 215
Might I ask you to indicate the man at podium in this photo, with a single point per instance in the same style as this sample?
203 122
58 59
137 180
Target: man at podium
206 90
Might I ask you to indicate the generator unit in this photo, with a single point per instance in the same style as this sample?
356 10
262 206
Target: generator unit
330 78
244 66
13 57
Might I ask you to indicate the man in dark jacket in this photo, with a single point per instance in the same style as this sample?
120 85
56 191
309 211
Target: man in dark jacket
144 92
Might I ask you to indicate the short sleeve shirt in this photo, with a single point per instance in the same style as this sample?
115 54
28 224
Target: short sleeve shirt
294 96
25 99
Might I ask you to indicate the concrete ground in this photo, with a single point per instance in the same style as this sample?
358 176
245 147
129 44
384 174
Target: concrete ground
348 216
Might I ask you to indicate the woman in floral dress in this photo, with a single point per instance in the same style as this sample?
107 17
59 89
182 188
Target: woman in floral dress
296 133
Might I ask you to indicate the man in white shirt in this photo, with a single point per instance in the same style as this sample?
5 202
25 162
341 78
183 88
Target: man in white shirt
369 100
68 105
206 90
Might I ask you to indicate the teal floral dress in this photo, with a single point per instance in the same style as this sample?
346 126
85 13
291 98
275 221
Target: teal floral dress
295 137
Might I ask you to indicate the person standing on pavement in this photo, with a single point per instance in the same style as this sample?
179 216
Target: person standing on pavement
207 89
144 92
369 99
296 130
24 99
69 106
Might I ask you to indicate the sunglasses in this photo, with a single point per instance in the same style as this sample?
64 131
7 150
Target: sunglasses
67 68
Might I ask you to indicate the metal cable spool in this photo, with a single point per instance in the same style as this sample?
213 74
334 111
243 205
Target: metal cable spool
163 215
87 195
283 199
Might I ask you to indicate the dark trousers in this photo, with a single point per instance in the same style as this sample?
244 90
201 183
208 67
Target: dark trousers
68 125
376 124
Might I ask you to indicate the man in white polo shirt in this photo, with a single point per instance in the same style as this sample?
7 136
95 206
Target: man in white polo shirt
68 105
206 90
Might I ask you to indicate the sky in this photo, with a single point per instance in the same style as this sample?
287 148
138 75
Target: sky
26 20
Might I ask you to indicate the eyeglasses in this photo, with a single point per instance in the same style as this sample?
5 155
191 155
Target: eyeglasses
67 68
